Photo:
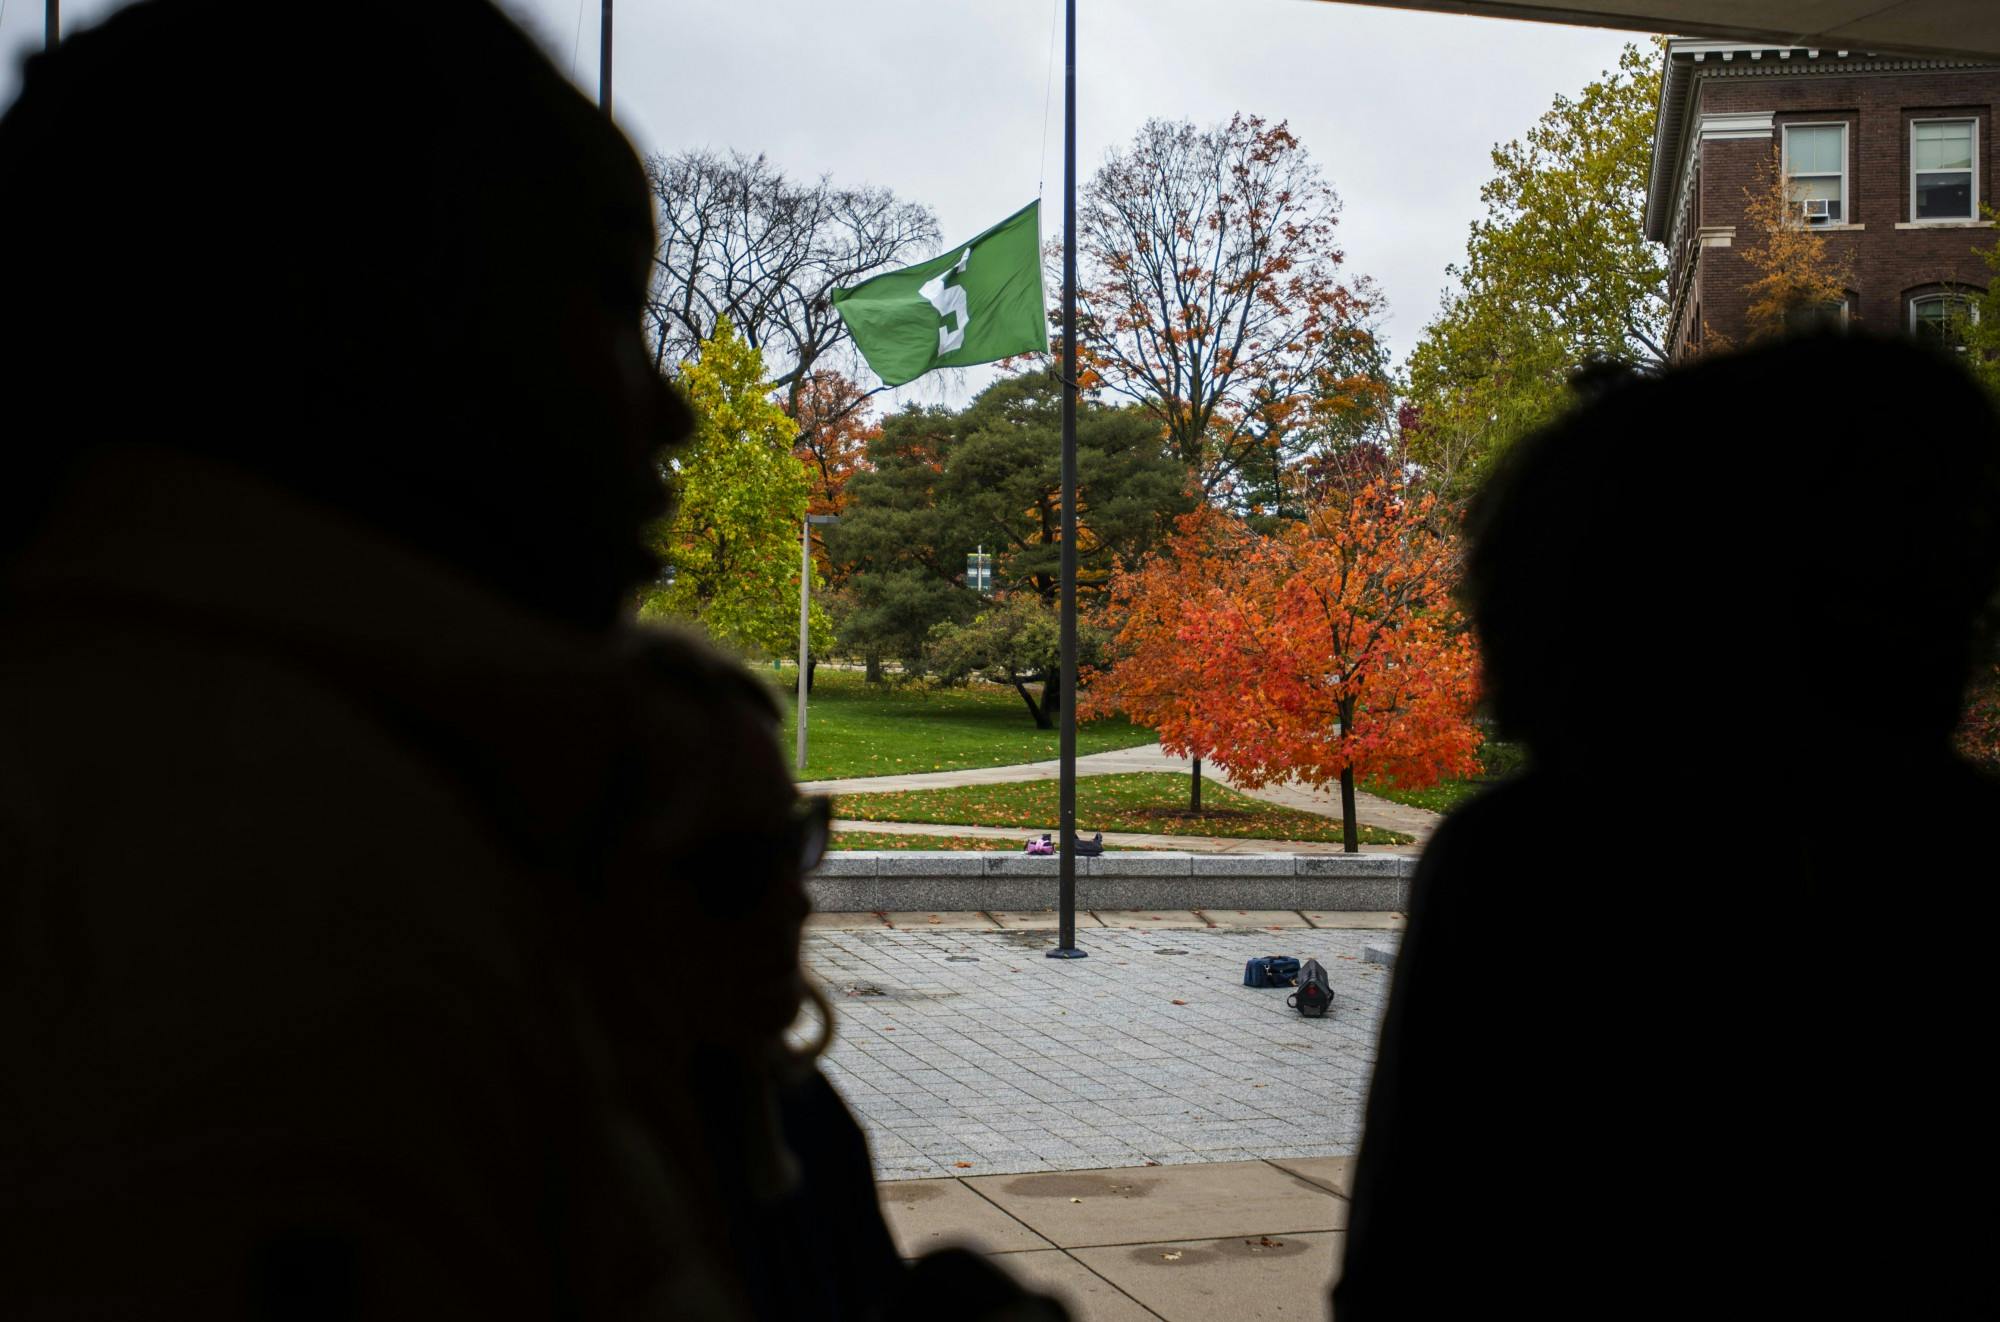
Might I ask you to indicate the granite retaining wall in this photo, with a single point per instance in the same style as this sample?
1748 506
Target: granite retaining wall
892 881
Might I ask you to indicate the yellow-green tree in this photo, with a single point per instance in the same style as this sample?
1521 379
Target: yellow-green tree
730 545
1977 326
1557 274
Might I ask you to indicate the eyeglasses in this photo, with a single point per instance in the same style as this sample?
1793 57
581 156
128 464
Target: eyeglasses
731 872
810 827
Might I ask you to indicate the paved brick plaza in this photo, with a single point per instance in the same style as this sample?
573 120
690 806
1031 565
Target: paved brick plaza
969 1046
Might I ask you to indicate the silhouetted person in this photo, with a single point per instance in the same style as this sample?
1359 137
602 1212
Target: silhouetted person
1693 1018
387 927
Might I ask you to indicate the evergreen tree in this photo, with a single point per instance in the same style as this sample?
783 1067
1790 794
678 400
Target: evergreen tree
941 485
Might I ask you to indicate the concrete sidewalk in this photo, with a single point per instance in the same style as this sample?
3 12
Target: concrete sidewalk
963 1051
1222 1242
1135 920
1136 1133
1369 809
1189 844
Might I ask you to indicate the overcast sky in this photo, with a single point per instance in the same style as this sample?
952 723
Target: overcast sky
944 100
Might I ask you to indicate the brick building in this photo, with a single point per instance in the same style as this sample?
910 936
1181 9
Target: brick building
1892 156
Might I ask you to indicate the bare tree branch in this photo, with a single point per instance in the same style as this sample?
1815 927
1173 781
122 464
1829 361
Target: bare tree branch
1212 291
740 240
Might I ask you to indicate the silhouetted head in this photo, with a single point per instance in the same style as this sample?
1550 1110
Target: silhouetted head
379 253
1785 552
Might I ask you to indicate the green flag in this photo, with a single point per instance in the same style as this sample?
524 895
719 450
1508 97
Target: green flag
978 302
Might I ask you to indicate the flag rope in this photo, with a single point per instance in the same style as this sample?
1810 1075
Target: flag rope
1048 92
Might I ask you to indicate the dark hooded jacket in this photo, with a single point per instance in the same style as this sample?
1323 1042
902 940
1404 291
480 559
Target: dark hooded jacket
300 836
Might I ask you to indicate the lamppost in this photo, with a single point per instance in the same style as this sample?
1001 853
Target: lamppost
805 609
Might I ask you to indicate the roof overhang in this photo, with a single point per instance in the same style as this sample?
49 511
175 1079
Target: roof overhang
1943 27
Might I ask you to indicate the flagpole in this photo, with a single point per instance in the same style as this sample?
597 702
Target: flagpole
604 59
1066 682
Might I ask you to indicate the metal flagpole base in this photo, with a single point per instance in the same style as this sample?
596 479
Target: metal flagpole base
1068 952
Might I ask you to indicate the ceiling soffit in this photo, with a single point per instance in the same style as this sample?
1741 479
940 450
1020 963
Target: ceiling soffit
1944 27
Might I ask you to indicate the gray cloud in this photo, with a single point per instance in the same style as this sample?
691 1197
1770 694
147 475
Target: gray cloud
943 100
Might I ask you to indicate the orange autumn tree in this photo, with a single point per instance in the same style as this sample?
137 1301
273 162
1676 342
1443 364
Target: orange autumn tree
1328 651
835 426
1157 679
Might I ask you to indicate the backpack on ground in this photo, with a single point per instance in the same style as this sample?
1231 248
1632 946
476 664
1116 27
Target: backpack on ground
1315 994
1271 971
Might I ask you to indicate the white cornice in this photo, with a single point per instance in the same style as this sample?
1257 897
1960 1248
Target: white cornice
1750 126
1747 124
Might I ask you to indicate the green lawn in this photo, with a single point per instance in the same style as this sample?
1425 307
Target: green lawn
1151 801
855 728
1441 797
1497 760
885 840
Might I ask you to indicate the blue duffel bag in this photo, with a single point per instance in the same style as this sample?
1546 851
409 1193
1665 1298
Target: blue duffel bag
1271 971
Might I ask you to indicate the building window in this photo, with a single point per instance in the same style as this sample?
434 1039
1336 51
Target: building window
1816 171
1809 318
1940 319
1942 180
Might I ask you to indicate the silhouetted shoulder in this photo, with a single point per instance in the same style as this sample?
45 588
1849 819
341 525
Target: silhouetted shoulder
272 884
692 668
1496 832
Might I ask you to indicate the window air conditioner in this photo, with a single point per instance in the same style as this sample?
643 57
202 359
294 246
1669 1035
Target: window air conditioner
1818 210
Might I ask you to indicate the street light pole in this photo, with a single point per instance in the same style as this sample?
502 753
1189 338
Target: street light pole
52 24
805 617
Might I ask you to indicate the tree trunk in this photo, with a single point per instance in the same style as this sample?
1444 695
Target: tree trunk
874 675
1036 710
1194 790
812 669
1052 696
1350 830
